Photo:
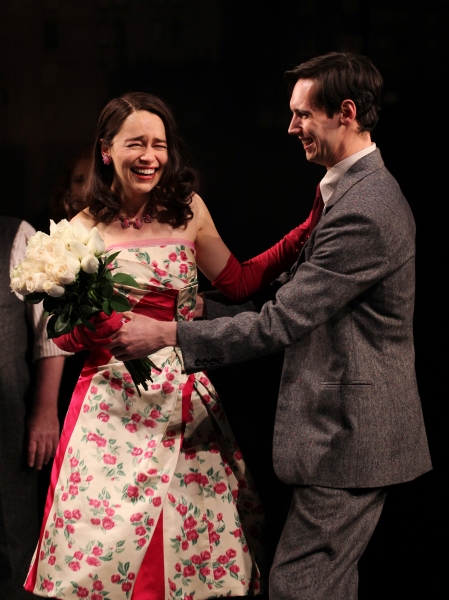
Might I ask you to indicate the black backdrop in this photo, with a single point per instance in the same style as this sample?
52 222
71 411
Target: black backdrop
220 65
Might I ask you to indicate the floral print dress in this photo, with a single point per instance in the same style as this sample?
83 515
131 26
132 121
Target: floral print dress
149 496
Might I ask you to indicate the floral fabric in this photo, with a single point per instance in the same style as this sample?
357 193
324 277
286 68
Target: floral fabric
124 459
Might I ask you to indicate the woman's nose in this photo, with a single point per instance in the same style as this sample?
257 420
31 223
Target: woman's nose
148 155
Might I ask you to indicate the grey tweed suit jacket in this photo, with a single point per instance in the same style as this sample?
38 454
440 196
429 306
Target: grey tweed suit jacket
349 413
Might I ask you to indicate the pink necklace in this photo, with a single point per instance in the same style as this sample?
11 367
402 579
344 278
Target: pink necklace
147 217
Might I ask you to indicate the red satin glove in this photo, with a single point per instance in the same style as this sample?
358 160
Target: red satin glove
83 339
239 281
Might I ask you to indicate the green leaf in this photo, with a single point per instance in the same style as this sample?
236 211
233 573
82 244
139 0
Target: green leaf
124 279
109 258
106 308
35 297
61 323
88 324
119 303
105 288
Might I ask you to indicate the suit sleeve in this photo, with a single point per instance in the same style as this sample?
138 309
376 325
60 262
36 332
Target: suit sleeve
346 255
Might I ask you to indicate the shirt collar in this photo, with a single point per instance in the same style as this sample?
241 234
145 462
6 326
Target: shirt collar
333 176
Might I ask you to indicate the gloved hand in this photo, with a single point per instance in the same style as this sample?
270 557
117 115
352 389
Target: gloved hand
82 338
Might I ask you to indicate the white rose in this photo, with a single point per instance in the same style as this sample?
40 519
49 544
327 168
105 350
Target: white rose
38 240
62 273
72 261
95 242
78 249
34 282
30 265
62 230
80 231
18 285
53 289
89 263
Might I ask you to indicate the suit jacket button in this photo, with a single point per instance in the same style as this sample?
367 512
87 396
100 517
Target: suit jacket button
220 359
197 362
213 361
205 362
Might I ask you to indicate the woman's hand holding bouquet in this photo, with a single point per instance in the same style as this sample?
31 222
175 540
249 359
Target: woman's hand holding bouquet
71 274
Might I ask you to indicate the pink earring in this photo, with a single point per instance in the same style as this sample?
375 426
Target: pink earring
106 158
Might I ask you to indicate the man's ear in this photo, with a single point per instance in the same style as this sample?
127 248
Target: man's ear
348 112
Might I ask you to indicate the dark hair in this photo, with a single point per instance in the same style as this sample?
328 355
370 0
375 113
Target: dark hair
178 183
340 76
64 198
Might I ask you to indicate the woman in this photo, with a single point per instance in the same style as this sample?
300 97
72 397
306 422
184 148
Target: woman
149 495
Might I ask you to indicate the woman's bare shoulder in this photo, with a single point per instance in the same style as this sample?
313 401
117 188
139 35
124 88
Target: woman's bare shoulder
85 217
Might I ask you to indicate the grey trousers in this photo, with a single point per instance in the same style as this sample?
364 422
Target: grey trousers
326 533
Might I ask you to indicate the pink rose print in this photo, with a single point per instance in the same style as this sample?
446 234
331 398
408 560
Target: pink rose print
155 386
126 586
169 376
214 449
213 537
108 459
220 488
131 576
205 571
234 568
64 496
192 535
74 462
95 521
222 559
103 417
73 490
59 523
150 423
116 383
141 477
129 392
133 491
97 551
67 514
104 406
183 268
74 565
75 477
219 572
168 443
48 585
136 451
231 553
51 560
136 517
141 542
189 523
183 255
115 578
82 592
205 555
205 381
127 377
92 561
76 514
190 454
172 585
93 389
95 503
237 533
140 530
131 427
155 414
219 517
149 492
79 555
189 571
171 498
167 387
182 509
107 523
185 545
157 501
70 528
196 559
173 256
96 597
85 408
106 374
165 479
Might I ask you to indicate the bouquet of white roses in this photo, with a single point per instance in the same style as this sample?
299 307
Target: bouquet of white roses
70 273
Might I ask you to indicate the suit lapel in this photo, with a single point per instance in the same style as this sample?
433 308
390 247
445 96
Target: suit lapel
359 170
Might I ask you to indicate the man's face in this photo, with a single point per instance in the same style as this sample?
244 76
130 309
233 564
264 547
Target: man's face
321 136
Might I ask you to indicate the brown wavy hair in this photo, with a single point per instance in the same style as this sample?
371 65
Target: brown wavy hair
179 181
339 76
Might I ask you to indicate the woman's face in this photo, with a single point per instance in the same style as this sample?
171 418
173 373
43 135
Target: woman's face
139 154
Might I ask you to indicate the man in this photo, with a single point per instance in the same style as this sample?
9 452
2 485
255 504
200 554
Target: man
349 421
29 427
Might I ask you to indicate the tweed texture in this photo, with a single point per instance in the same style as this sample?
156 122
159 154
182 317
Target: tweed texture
349 412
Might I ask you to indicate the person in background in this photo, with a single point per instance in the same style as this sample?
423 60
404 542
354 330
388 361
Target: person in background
30 375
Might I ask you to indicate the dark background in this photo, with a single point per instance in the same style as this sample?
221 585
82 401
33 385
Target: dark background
220 64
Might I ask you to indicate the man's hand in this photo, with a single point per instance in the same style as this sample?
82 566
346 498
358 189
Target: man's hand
140 336
43 423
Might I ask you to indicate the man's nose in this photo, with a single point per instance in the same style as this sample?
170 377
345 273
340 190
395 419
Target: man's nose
295 126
